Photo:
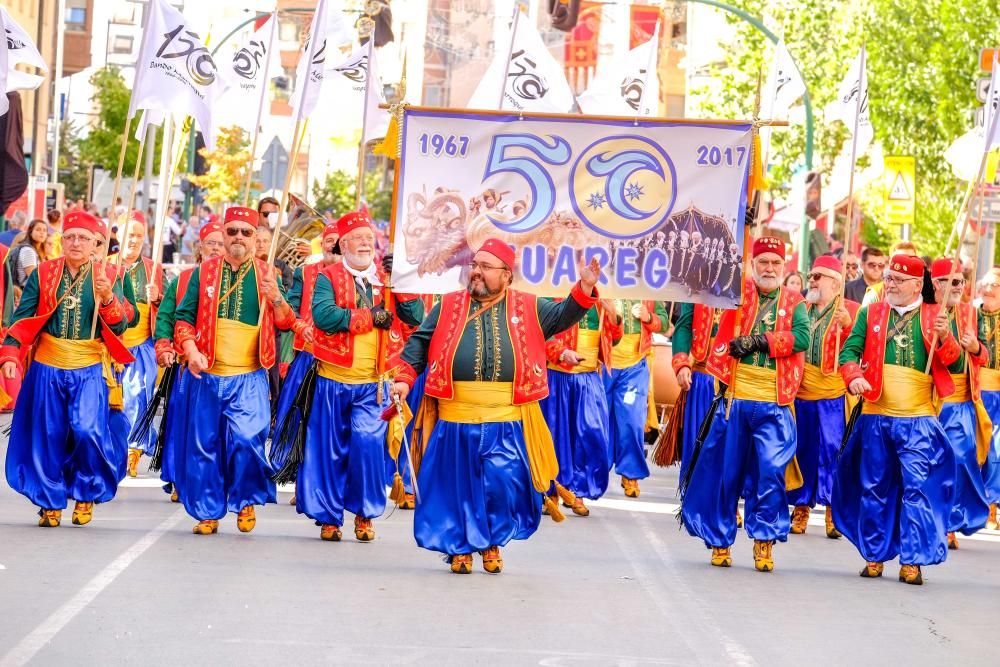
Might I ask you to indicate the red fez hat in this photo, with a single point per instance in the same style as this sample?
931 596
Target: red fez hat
102 228
768 244
81 220
351 221
137 216
828 265
208 228
330 230
908 265
941 268
241 214
502 251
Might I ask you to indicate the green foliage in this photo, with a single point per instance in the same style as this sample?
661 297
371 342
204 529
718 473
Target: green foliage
73 172
922 64
102 144
337 193
227 165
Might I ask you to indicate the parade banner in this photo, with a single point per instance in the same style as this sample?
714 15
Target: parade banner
659 203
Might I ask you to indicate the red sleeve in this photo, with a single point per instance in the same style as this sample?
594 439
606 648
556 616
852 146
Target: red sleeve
361 321
10 353
680 360
115 312
949 350
780 343
286 323
183 332
614 326
584 300
402 371
553 349
851 371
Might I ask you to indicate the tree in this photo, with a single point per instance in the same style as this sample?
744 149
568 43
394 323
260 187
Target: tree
102 144
227 167
922 63
74 173
337 193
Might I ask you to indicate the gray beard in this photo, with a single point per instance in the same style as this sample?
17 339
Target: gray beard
238 252
813 296
482 292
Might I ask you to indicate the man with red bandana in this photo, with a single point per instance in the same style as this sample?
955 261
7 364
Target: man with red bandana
60 445
489 457
226 328
894 486
752 440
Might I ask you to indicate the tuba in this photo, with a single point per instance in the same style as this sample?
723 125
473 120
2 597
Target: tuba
304 224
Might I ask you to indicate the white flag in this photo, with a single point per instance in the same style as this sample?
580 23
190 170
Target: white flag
629 87
175 73
16 49
329 31
376 119
784 85
255 61
530 80
845 107
991 124
149 117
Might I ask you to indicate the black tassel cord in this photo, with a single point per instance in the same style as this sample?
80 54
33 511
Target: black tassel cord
706 427
142 426
851 421
289 444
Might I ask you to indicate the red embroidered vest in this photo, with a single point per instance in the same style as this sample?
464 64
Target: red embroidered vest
338 348
527 341
309 274
830 349
567 340
701 332
208 312
780 340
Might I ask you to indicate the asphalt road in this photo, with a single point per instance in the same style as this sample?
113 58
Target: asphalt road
622 586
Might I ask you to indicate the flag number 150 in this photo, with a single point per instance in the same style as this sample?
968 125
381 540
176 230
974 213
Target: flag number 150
450 145
713 156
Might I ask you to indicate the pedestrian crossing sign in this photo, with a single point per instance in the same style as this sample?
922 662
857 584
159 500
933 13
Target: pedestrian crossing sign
898 180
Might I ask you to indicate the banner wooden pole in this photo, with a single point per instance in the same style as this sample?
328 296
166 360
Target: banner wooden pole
260 108
510 52
172 167
128 209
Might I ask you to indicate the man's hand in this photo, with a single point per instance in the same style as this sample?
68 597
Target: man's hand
9 369
684 378
303 249
309 335
842 317
400 390
152 293
102 285
570 358
641 313
970 343
387 263
859 386
197 362
589 275
269 287
166 358
381 318
743 346
609 307
942 327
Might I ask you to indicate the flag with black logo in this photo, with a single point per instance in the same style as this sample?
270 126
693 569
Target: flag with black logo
530 79
846 107
328 32
785 85
630 86
254 62
16 49
175 72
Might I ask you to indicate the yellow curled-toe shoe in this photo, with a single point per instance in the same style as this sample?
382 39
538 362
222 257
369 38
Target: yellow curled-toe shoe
133 461
49 518
492 562
206 527
364 531
831 529
461 563
246 519
83 513
722 556
872 570
631 487
800 519
739 518
763 556
409 502
910 574
952 541
174 496
992 522
579 508
330 533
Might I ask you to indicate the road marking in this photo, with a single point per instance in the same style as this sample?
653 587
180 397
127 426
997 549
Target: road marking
36 640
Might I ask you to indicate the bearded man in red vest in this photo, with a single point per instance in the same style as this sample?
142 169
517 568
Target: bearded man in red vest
752 440
490 455
226 327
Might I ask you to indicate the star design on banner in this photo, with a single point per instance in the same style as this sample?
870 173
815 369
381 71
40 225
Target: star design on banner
633 191
596 201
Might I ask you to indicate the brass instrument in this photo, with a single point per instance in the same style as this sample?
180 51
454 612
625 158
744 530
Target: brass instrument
304 224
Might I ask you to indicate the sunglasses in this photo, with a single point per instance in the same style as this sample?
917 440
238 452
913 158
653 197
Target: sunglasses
817 276
955 282
852 266
236 231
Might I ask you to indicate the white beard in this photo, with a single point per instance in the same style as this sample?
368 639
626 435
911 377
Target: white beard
813 295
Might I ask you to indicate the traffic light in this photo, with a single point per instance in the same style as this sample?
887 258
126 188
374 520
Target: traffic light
564 14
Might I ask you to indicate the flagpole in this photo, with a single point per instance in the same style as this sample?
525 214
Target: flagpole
359 186
260 106
651 64
131 200
172 168
849 225
510 52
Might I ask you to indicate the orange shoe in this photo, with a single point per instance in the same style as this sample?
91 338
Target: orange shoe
800 519
330 533
763 556
631 487
49 518
83 513
579 508
133 461
492 562
174 496
364 531
246 519
910 574
872 570
831 529
409 502
206 527
992 522
461 563
739 518
952 541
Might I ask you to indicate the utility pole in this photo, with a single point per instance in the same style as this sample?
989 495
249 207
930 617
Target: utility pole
57 82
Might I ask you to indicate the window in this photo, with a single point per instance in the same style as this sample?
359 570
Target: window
121 44
76 15
288 31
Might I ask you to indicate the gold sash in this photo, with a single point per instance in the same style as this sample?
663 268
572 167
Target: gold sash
236 348
984 425
963 392
817 386
140 332
588 345
626 353
363 370
754 383
71 355
906 392
486 402
989 379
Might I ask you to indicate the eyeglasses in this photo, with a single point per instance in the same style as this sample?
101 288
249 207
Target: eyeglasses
485 267
76 238
890 279
955 282
817 276
213 244
852 266
871 265
235 231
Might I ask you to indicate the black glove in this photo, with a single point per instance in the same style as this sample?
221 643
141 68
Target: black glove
387 263
750 217
746 345
381 318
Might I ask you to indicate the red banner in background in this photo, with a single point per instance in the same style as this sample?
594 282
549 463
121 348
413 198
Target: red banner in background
581 49
642 22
